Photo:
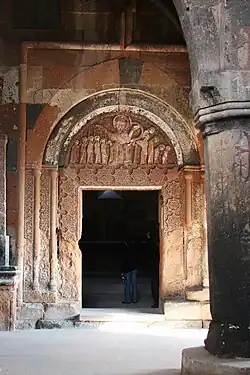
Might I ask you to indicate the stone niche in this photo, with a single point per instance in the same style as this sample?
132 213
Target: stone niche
117 149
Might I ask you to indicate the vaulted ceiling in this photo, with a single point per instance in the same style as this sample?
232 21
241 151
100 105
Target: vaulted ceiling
98 21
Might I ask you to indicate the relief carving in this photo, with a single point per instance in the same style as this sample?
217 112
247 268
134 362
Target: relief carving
120 140
242 163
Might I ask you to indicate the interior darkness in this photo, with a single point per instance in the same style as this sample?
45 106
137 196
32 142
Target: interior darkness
107 225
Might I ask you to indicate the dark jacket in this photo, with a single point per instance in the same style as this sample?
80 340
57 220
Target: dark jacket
129 262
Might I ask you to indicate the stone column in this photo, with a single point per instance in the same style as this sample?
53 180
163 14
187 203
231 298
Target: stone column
188 218
36 226
3 142
53 222
9 278
188 198
21 172
227 161
205 258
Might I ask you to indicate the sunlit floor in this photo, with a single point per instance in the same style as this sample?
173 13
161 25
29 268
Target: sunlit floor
110 350
107 292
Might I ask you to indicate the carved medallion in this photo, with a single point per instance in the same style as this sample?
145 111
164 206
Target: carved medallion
121 140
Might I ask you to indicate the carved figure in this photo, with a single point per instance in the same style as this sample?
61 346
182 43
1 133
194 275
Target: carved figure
136 132
165 155
128 144
143 143
90 150
158 153
97 150
104 151
121 124
83 151
151 149
75 152
121 137
110 152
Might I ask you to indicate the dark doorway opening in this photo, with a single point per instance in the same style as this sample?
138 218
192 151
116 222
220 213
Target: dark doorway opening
112 220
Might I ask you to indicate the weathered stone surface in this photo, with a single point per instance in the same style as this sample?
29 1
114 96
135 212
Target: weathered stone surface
8 286
32 311
228 183
10 77
25 324
182 311
197 361
171 324
205 312
117 142
54 324
61 311
200 295
140 103
3 142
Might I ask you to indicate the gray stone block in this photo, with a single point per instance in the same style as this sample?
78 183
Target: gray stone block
31 311
61 311
25 325
197 361
52 324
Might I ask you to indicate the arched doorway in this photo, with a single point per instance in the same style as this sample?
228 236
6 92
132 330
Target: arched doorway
115 150
141 145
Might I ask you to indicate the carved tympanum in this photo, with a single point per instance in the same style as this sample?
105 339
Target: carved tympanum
120 140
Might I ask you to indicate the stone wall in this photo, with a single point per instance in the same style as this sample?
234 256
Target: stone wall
51 93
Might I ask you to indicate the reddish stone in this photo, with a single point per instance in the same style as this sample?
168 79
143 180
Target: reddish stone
54 77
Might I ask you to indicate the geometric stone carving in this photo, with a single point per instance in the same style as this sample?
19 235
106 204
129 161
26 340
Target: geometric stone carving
120 140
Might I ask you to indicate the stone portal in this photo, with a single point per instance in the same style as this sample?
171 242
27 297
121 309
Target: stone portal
124 148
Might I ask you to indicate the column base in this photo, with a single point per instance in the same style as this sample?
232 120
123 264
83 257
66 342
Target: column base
228 340
197 361
9 278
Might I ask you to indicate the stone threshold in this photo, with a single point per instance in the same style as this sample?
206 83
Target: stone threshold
121 315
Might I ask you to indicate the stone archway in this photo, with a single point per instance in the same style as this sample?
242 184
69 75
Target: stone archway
121 149
122 138
127 147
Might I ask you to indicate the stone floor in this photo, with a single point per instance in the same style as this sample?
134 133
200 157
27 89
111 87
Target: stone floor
107 292
109 350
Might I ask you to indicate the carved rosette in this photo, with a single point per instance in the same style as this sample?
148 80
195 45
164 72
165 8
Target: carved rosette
122 177
104 177
157 176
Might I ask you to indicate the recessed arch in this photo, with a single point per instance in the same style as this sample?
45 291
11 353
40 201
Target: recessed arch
80 88
135 101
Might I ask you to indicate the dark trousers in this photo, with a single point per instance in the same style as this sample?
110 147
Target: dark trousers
155 289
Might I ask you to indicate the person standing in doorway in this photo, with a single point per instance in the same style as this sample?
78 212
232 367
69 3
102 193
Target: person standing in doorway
129 274
154 267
